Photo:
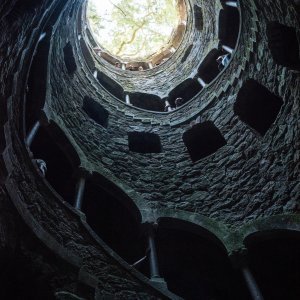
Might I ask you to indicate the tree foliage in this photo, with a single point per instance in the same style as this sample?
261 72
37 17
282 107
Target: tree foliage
133 29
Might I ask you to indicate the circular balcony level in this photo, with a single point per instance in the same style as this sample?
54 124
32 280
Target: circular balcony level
208 68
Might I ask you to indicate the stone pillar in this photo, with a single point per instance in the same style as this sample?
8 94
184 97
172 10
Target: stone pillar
42 36
201 81
227 49
127 99
153 260
154 269
31 135
231 3
251 284
80 187
239 261
168 106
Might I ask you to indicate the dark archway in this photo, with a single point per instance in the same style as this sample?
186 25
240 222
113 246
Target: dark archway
203 140
95 111
147 101
257 106
87 55
209 68
52 146
284 45
144 142
198 15
37 80
110 85
187 53
69 59
114 218
186 90
229 26
274 259
195 264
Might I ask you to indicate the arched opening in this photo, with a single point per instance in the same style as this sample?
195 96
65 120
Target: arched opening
110 85
95 111
195 264
87 55
257 106
79 22
187 53
37 80
144 142
52 146
203 140
114 218
198 15
186 90
209 68
90 37
147 101
274 259
284 45
229 25
69 59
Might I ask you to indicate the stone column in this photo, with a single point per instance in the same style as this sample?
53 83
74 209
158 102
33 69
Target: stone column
154 269
153 260
79 194
127 99
168 106
251 284
231 3
239 261
227 49
201 81
31 135
42 36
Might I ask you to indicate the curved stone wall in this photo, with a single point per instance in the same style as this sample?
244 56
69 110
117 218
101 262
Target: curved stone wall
248 185
222 186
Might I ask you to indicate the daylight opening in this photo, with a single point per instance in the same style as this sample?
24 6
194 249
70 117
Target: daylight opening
136 30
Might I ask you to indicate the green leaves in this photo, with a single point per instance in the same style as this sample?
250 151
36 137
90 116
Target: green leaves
133 29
